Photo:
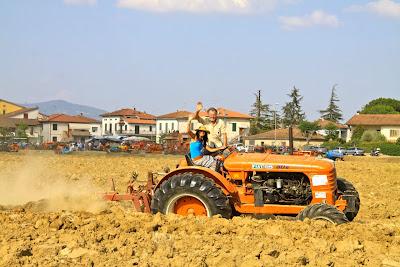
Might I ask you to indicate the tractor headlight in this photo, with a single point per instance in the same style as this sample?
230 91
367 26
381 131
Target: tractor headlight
319 180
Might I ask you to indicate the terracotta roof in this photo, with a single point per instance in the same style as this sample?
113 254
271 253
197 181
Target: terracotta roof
20 111
139 121
324 123
176 115
129 112
70 119
282 134
226 113
222 113
13 122
374 119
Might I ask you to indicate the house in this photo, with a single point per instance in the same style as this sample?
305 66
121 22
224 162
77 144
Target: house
386 124
129 122
324 124
280 137
237 124
33 130
8 107
66 128
13 116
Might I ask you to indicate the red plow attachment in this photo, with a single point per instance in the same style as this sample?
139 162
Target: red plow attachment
139 195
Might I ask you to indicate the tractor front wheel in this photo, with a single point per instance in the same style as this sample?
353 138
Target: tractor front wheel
189 193
348 190
324 212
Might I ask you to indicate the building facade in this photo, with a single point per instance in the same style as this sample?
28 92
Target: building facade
67 128
386 124
280 137
8 107
237 124
129 122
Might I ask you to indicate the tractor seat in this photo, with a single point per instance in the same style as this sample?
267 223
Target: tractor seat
189 160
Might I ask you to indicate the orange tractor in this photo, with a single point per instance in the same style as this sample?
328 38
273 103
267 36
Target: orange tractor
250 183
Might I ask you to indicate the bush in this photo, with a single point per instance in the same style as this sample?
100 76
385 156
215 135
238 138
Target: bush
357 133
398 141
390 149
372 136
331 144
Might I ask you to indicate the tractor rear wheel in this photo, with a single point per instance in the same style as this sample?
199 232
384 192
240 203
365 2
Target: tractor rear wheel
189 193
347 189
322 211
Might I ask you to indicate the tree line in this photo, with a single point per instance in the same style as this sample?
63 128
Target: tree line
266 118
292 114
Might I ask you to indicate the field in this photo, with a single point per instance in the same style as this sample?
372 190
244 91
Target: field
50 216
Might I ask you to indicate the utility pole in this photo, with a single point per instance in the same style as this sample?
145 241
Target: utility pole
276 104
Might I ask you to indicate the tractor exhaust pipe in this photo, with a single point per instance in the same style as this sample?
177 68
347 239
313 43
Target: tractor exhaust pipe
290 140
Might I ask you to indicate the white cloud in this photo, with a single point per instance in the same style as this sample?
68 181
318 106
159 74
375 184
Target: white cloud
200 6
80 2
386 8
316 18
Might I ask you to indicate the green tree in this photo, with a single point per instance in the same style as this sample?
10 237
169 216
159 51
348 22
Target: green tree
357 133
371 108
308 129
20 131
331 132
5 132
379 109
262 116
332 112
292 113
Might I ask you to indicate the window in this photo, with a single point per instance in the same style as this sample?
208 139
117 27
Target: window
31 130
394 133
4 111
150 128
105 127
55 127
94 129
115 127
126 127
160 126
136 129
54 138
234 127
110 128
166 127
172 126
25 115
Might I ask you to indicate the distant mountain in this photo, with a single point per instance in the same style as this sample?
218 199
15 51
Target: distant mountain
61 106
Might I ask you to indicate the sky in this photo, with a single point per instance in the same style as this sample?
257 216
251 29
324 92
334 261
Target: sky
163 55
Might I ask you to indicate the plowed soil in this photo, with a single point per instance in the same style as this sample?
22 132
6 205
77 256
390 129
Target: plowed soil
50 215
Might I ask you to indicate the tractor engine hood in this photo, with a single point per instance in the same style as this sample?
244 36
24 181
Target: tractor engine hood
271 162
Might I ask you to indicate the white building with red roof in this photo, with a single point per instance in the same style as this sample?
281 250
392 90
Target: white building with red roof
237 124
129 122
67 128
386 124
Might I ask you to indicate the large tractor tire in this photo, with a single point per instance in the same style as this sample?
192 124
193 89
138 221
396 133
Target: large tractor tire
322 211
347 189
189 193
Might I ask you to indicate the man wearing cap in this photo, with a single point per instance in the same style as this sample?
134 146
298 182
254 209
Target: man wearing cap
216 127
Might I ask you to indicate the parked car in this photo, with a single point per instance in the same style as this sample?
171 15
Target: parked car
355 151
340 150
318 149
249 148
335 155
240 147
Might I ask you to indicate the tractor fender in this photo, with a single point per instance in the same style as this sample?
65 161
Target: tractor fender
219 179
